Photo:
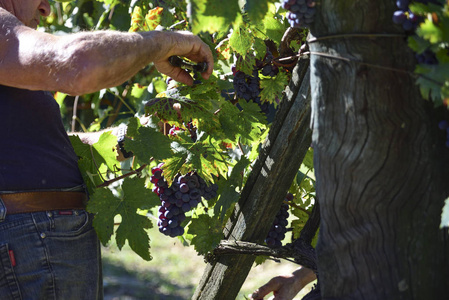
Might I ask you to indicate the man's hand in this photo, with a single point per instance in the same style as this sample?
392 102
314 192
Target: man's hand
185 44
285 287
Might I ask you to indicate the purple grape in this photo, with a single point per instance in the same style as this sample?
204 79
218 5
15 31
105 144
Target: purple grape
173 223
193 203
399 17
402 4
407 25
186 207
186 197
184 188
443 125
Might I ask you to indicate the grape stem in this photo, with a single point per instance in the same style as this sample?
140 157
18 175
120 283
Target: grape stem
298 207
133 172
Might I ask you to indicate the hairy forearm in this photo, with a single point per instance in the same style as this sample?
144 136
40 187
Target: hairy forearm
79 63
88 61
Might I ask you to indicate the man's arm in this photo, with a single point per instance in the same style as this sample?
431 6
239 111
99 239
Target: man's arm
89 61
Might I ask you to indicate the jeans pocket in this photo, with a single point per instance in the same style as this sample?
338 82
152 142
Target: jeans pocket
69 223
9 287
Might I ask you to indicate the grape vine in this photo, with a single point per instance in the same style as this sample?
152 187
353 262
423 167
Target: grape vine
193 146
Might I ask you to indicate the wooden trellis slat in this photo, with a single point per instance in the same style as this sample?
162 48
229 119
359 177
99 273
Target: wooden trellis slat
266 187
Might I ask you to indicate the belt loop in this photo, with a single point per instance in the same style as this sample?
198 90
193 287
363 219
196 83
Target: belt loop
2 210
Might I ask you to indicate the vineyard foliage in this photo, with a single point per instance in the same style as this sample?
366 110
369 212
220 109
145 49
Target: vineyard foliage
207 128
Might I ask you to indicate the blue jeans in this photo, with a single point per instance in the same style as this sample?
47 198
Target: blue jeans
50 255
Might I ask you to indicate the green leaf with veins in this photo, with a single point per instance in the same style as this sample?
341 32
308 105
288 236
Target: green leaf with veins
207 231
146 142
213 15
106 207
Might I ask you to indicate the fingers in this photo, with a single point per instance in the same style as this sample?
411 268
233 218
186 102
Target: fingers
185 44
200 52
271 286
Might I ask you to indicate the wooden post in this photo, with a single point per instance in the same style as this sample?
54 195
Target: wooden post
271 176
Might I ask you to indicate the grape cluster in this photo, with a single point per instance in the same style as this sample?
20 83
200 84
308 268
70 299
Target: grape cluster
444 125
405 17
300 12
246 86
179 198
409 22
279 227
427 58
270 70
267 65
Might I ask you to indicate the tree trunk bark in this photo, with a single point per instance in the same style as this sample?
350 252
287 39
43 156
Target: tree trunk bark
379 159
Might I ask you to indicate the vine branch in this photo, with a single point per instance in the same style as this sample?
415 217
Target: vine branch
133 172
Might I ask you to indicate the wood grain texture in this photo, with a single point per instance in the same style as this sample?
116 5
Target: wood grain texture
379 163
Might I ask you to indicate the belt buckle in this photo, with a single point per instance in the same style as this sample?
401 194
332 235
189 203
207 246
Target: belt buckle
2 210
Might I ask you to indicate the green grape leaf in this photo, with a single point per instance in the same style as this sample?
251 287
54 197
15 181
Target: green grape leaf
274 28
153 17
429 31
300 176
207 233
308 159
201 157
260 49
105 147
132 229
211 165
106 206
137 90
60 97
228 194
108 2
102 152
137 20
433 78
418 44
273 87
96 159
299 223
419 8
251 121
246 123
261 259
146 142
90 174
163 107
103 203
257 10
241 40
175 163
84 150
445 215
212 15
246 64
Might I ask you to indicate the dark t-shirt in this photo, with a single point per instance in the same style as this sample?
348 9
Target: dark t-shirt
35 151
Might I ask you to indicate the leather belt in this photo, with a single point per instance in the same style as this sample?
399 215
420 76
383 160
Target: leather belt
42 201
